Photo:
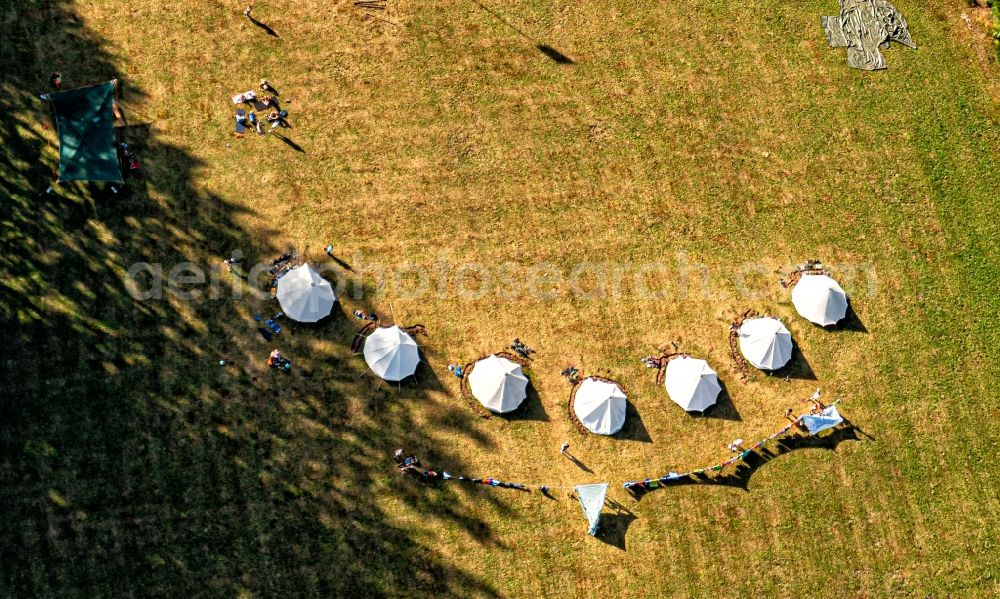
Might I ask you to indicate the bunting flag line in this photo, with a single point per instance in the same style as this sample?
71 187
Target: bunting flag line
592 500
410 464
592 496
829 417
814 422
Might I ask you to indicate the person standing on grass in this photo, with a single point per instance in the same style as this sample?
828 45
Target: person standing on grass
246 11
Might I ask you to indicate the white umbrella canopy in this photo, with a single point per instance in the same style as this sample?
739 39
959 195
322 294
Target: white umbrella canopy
691 383
600 406
765 343
498 383
391 353
819 299
304 295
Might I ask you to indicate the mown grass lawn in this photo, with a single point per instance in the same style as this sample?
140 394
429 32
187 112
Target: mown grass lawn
722 141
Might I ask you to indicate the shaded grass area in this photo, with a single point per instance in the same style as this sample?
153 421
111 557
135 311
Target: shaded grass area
131 464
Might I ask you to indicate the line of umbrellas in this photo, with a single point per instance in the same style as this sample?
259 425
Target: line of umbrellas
500 384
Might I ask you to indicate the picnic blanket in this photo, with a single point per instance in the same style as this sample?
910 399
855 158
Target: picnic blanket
864 26
244 97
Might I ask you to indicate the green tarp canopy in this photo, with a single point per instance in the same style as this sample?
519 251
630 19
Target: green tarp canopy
85 120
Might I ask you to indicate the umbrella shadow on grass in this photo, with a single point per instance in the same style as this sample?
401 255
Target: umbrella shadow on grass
850 323
531 408
722 409
738 476
797 368
634 428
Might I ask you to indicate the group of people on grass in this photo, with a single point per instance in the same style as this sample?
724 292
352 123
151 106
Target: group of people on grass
276 118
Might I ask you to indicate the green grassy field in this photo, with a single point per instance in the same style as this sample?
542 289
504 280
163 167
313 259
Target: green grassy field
441 137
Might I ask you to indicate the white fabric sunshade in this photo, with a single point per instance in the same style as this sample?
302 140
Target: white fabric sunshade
691 383
304 295
498 383
600 406
391 353
819 299
765 343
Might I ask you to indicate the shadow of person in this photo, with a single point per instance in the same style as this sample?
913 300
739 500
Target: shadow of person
576 462
340 262
291 144
267 29
557 56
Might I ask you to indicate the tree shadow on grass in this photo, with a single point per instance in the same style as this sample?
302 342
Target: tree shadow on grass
131 462
738 476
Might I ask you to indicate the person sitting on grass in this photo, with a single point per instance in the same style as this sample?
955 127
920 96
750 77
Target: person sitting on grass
406 464
276 360
521 349
572 375
277 117
455 369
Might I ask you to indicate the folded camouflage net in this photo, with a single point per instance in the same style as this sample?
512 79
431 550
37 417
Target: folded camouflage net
863 27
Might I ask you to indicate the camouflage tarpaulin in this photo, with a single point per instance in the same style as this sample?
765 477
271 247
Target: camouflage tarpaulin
863 27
